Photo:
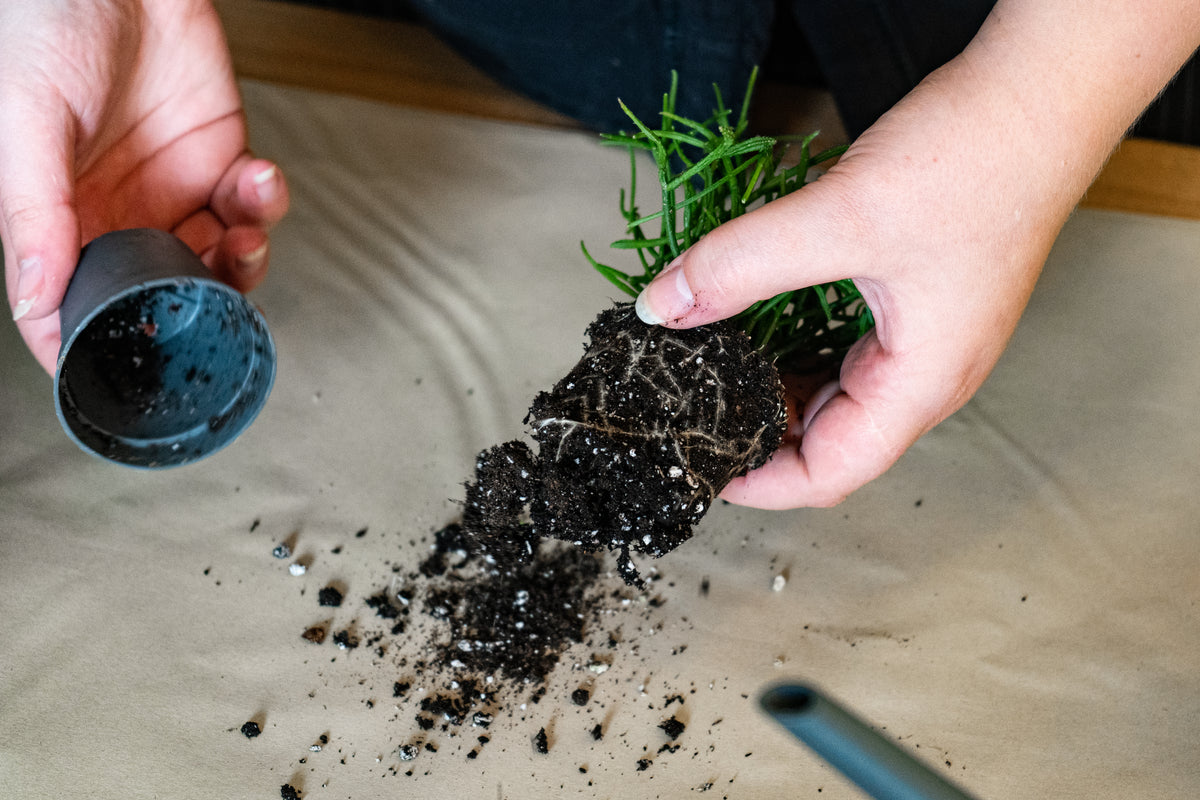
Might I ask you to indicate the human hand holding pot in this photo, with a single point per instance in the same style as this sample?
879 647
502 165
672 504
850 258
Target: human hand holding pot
121 115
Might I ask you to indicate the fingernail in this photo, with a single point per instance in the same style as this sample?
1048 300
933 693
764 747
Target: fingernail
29 283
667 297
22 308
264 184
253 260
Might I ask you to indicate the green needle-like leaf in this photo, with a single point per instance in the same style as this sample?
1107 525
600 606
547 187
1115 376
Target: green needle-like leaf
710 172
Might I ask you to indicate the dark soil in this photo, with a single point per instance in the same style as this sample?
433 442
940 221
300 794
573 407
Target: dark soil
633 445
468 643
673 728
345 640
487 634
491 625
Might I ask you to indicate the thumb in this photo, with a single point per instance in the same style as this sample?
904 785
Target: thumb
38 222
787 244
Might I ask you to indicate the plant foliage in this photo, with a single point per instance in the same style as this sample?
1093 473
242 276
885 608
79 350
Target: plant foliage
709 173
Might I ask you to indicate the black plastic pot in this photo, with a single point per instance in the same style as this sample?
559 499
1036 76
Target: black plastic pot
160 364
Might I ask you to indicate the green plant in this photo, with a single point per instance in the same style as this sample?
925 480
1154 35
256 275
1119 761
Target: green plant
709 173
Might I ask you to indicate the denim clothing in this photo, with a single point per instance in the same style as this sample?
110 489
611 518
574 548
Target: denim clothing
579 57
873 52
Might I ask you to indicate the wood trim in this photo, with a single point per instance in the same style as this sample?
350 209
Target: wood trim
1149 177
403 63
379 59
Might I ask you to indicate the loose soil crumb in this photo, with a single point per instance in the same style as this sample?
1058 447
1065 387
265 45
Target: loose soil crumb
673 728
345 640
329 596
634 444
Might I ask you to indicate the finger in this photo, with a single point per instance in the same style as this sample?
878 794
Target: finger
855 430
44 338
202 232
799 391
237 255
791 243
844 447
252 192
818 400
38 222
240 258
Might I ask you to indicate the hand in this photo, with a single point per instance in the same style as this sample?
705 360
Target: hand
942 257
943 214
121 114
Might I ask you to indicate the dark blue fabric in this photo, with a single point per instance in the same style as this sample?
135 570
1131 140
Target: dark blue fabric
1175 116
577 57
580 57
873 52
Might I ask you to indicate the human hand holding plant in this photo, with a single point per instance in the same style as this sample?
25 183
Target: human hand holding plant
942 214
119 114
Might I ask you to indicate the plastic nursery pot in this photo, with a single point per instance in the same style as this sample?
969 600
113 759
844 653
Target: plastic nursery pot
160 364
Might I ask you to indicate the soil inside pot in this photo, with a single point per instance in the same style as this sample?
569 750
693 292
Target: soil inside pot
633 445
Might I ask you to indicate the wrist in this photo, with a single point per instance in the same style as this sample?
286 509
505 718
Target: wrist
1075 76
